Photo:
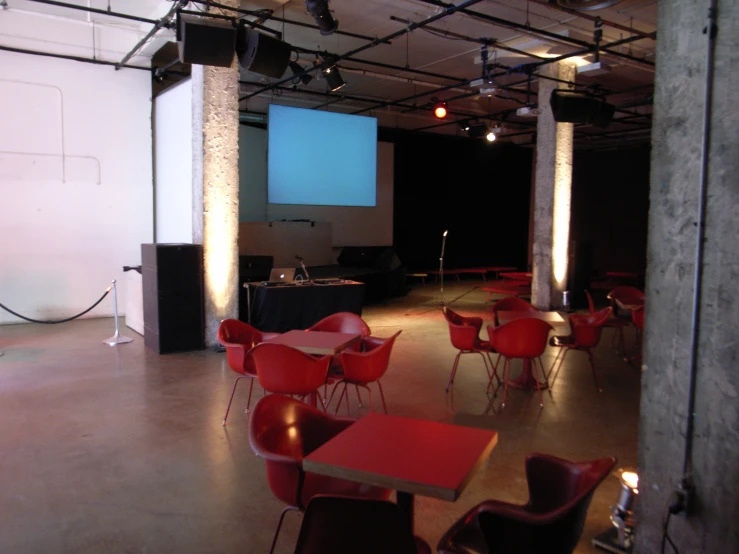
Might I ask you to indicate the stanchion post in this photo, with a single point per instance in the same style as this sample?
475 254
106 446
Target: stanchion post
117 338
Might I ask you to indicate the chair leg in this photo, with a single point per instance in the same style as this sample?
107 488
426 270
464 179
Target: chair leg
382 395
333 390
279 525
359 398
454 371
538 386
595 371
369 391
228 408
341 396
564 352
506 371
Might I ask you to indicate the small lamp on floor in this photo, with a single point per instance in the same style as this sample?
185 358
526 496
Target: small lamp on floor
619 539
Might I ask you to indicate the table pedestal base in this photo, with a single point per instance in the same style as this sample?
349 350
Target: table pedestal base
405 502
527 381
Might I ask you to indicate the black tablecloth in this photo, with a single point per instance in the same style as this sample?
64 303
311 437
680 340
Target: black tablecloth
283 308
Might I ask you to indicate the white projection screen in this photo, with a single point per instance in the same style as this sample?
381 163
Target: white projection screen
321 158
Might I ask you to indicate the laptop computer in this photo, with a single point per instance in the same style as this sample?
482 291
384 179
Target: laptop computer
282 275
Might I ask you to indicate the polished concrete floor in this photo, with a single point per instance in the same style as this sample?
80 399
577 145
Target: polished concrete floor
118 449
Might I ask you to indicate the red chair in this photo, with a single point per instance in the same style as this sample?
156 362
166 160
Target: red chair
464 333
282 369
551 521
513 304
584 336
620 296
339 525
283 431
524 338
365 367
342 322
238 338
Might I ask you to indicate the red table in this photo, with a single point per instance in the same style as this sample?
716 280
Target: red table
517 275
410 456
526 380
320 343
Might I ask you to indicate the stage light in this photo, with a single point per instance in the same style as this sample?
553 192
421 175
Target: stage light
322 15
333 78
296 69
440 110
490 136
620 537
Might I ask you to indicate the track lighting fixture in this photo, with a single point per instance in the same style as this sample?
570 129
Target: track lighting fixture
296 68
440 110
333 78
322 15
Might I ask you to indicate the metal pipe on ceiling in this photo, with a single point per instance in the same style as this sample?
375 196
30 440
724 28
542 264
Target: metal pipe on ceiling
161 23
528 29
447 12
95 10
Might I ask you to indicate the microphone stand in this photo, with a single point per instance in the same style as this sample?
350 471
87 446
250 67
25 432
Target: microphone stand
441 269
302 264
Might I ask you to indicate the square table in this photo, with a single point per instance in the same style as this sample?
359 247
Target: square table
320 343
410 456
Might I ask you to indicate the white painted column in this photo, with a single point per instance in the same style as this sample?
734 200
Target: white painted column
216 187
552 191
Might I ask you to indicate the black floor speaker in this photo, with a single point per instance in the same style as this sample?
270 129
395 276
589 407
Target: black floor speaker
206 41
261 53
172 283
375 257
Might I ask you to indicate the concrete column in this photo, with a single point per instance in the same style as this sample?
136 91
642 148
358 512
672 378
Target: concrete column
674 219
216 186
552 189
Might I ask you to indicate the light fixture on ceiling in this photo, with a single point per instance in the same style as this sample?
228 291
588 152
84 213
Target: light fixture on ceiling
333 77
620 537
441 109
586 5
297 69
322 15
490 136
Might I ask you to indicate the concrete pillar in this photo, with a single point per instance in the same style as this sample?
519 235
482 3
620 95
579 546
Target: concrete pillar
216 186
680 97
552 190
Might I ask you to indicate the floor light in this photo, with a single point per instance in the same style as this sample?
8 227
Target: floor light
619 539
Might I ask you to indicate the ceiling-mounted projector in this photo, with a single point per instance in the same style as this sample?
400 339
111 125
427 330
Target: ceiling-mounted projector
527 111
592 69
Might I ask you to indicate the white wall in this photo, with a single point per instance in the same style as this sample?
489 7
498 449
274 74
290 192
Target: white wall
352 226
68 228
173 167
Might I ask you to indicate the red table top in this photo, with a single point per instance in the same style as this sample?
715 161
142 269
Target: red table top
552 318
317 342
408 455
517 275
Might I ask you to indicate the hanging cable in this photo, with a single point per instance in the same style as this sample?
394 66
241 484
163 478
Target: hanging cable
60 320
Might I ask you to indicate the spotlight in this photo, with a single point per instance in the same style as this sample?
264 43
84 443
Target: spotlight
440 110
296 69
333 78
320 12
490 136
620 537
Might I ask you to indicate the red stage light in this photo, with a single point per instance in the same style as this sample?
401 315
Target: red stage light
440 110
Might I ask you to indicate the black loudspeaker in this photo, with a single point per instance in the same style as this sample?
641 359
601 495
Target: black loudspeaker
254 268
172 283
261 53
374 257
206 41
577 107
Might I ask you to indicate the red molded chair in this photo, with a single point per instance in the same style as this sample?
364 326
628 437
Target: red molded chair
622 317
342 322
282 369
238 338
513 304
551 521
524 338
341 525
464 333
365 367
283 431
584 336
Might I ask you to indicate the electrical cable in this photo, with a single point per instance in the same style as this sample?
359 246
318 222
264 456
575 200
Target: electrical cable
60 320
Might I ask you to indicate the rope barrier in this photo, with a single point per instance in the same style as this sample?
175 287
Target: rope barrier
60 320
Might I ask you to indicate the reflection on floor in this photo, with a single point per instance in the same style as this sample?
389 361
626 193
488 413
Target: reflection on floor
118 449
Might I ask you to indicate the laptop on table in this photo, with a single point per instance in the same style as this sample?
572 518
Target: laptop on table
281 275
